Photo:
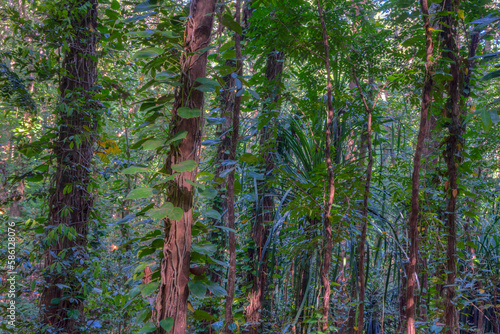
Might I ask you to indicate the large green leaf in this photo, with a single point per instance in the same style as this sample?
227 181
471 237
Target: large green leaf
148 328
186 112
149 289
492 75
228 21
167 324
167 211
141 193
146 6
197 289
135 169
148 53
185 166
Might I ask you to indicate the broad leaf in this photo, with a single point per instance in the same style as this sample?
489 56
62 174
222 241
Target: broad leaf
185 166
167 324
186 112
148 53
141 193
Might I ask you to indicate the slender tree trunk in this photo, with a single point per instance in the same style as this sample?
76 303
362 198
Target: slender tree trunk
70 201
364 213
413 221
453 147
328 245
171 301
264 212
230 184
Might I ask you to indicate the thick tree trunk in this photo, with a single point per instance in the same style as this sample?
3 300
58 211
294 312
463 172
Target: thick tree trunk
70 201
413 221
328 244
231 277
171 300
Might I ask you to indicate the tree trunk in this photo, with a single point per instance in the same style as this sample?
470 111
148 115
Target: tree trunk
70 201
453 148
364 213
328 245
231 277
171 301
264 212
413 221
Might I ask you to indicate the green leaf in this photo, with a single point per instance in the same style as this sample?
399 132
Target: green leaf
165 75
167 211
148 328
152 144
213 214
207 81
149 289
146 6
145 251
216 289
197 289
185 166
249 157
167 324
139 17
144 316
208 193
169 34
141 193
186 112
115 5
228 21
135 169
204 248
179 136
492 75
486 119
143 33
205 88
494 116
148 53
202 315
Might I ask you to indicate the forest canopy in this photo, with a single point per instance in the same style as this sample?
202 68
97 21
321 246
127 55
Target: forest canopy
256 166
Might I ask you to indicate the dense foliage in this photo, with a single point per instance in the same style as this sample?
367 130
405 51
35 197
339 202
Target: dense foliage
326 166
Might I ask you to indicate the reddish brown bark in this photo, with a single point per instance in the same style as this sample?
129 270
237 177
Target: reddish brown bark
264 212
230 185
171 300
328 244
70 201
413 221
364 213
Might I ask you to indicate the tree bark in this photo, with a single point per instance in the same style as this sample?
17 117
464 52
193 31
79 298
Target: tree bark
413 221
364 213
230 184
264 212
328 245
70 201
171 300
453 148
